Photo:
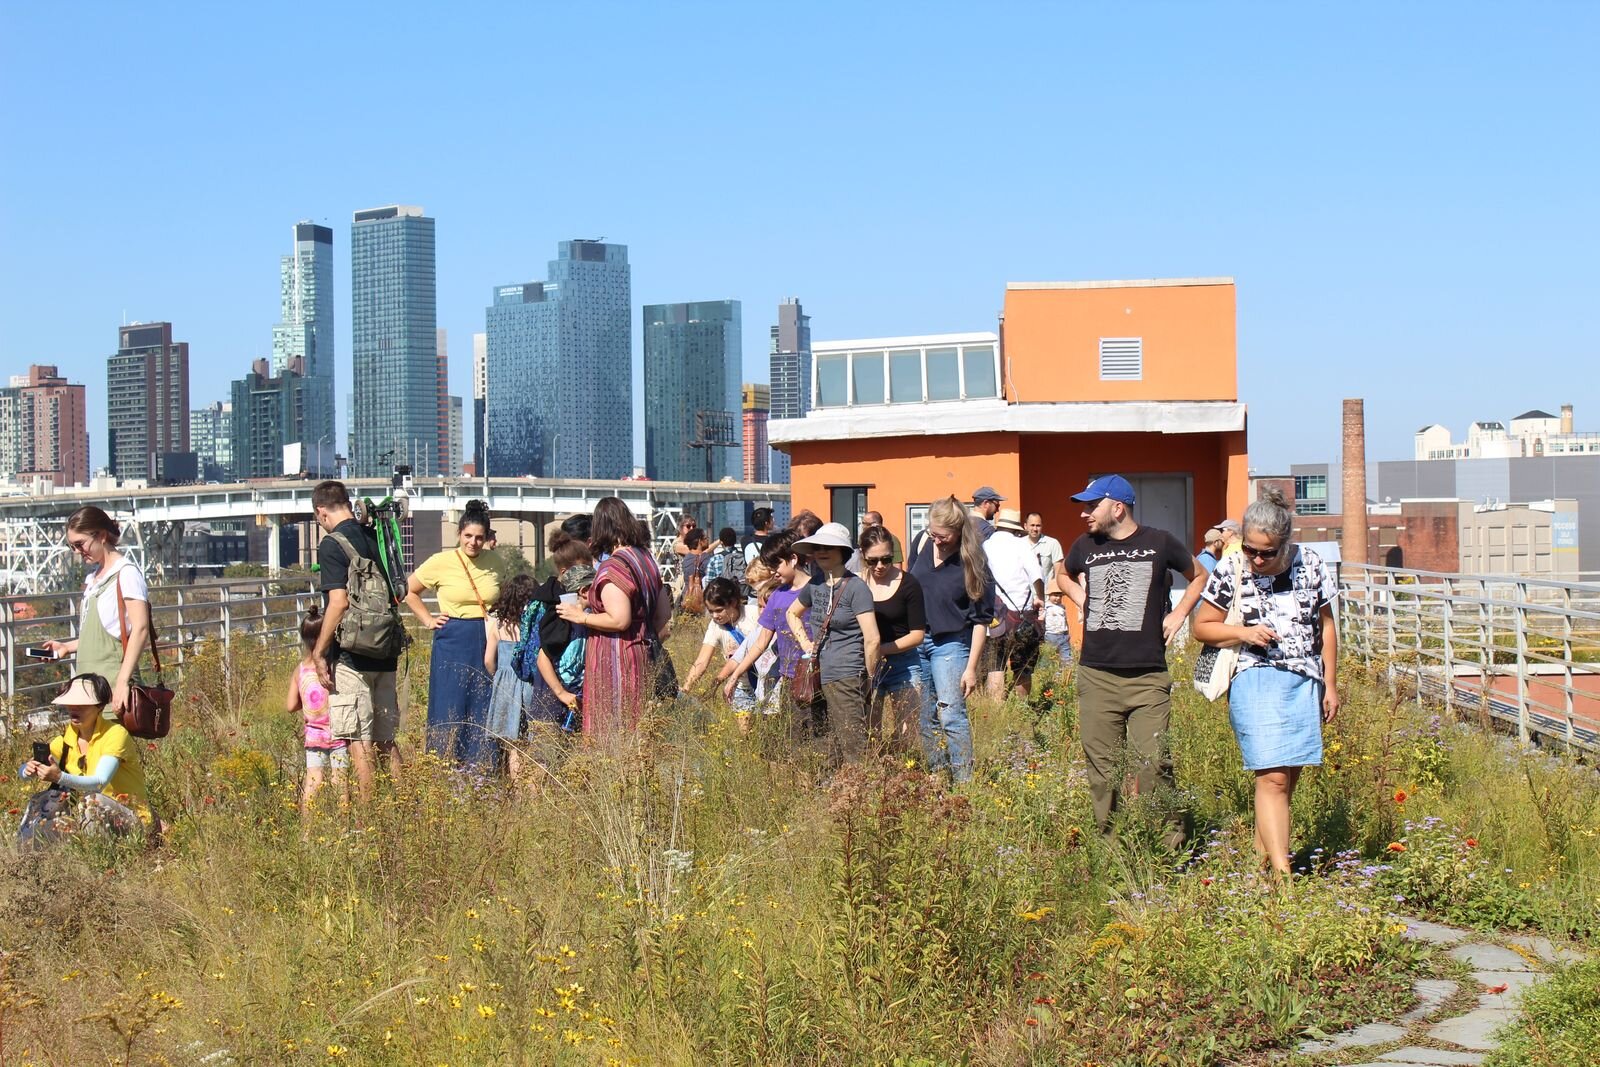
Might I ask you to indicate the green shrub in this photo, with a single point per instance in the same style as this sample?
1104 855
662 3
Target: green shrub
1560 1023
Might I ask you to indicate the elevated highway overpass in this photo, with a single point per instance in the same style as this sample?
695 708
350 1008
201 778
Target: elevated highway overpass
33 558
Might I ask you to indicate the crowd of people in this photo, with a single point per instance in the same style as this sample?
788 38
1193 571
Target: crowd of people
859 643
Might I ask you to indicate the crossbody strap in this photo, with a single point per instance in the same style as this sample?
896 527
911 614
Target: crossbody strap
468 572
833 603
122 610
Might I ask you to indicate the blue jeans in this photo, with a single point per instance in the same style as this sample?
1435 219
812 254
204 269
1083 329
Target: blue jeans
944 708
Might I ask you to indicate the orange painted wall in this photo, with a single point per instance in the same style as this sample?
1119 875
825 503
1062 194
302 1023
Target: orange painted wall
903 470
1054 466
1052 342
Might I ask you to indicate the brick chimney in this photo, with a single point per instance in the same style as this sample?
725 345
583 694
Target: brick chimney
1353 541
1566 418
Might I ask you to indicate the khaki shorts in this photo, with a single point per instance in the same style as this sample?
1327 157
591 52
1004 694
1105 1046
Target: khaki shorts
363 705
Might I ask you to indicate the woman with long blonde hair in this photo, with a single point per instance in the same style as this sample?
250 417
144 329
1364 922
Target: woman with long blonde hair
947 561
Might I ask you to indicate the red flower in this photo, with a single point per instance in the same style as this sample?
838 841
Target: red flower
151 745
1044 1000
211 800
1205 881
1035 976
1396 846
13 811
1501 988
1031 1021
1472 842
1400 796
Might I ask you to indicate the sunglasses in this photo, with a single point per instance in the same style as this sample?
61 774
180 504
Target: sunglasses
877 561
1261 553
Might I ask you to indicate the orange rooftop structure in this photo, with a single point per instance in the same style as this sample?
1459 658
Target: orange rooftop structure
1138 378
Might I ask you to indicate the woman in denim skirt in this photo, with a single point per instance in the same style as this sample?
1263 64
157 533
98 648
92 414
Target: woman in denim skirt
1286 684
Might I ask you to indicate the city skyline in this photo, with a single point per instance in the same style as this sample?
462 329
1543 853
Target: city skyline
1384 220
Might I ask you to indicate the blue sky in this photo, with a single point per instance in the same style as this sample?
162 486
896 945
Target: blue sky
1406 194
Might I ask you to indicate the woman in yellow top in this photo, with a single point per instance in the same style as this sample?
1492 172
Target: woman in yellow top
458 686
97 759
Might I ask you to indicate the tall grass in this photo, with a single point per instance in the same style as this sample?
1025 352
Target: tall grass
699 895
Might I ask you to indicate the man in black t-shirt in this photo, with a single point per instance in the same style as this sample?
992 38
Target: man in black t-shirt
1119 574
363 704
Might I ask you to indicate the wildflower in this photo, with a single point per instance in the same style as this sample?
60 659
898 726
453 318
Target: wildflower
1400 796
1396 846
1501 988
1472 842
336 1052
472 913
1035 915
1031 1021
1044 1000
485 1011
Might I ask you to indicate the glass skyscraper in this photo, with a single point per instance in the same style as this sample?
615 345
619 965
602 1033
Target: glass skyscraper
559 357
791 379
305 330
692 365
394 415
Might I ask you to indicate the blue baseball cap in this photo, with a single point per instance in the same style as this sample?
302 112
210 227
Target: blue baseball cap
1114 486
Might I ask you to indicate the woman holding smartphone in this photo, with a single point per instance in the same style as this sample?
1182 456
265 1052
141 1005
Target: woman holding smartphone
114 625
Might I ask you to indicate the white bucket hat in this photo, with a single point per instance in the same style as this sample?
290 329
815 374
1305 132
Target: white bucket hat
78 693
829 535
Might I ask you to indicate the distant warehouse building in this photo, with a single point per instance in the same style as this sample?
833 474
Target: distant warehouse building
1082 378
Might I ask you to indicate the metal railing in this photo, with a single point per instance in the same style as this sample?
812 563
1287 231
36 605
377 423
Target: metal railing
1523 651
265 610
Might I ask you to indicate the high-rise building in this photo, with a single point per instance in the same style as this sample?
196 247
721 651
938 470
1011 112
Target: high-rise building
480 394
305 329
268 410
452 465
560 368
394 346
441 386
756 404
692 361
211 435
44 432
147 403
791 378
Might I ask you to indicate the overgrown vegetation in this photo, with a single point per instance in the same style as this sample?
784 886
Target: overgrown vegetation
706 896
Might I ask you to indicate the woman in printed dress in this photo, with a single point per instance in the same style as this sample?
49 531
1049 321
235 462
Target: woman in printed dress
625 613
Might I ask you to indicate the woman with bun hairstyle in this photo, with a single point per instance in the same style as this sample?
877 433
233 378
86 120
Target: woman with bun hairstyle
113 590
1287 681
458 685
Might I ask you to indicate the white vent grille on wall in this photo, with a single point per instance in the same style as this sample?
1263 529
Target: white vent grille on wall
1121 359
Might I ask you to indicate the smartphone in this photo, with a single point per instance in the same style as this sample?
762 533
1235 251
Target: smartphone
41 752
38 652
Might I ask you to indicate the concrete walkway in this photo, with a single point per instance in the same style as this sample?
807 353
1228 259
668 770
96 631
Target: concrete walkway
1501 968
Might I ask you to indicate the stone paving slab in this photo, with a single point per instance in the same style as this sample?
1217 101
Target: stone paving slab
1546 949
1514 981
1434 1057
1490 957
1473 1029
1370 1034
1433 933
1432 992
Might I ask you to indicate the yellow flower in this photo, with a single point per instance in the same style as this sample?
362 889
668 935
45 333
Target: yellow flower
336 1052
485 1011
1035 915
472 913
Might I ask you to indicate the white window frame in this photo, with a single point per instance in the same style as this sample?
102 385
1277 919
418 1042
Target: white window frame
888 355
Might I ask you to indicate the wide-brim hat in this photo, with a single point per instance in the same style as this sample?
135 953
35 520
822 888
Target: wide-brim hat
1009 519
829 535
77 694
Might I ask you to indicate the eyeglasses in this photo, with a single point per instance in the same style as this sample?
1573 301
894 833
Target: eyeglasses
1261 553
877 561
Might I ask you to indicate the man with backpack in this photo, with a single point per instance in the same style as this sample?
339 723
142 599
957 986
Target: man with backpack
362 636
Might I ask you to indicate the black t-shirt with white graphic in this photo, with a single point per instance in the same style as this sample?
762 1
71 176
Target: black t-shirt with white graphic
1128 585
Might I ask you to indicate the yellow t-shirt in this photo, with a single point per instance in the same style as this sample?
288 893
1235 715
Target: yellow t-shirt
109 739
443 573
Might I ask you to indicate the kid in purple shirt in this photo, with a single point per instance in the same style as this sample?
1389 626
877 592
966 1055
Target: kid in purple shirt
779 555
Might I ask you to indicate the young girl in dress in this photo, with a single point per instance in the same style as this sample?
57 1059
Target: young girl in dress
324 752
